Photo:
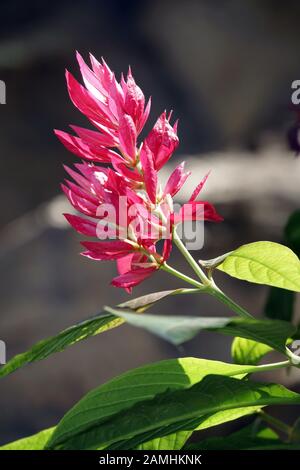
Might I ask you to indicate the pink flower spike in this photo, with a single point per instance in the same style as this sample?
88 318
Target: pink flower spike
127 213
91 81
150 174
199 188
176 180
167 249
197 210
145 116
134 100
127 136
121 168
81 225
94 138
107 250
124 263
81 180
162 141
86 103
79 203
133 278
82 193
83 150
124 266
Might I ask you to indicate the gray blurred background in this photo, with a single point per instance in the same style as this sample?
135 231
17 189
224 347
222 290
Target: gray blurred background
226 69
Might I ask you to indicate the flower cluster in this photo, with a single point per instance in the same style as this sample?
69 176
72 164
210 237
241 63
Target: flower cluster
116 185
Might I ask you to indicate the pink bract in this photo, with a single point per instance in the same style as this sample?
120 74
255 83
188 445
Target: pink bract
119 173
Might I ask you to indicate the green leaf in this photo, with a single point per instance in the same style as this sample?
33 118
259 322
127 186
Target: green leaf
140 384
207 421
264 263
178 329
81 331
247 351
81 428
172 442
35 442
58 343
248 438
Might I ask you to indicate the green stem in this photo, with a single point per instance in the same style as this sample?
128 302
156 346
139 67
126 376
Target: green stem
218 294
276 423
183 277
194 265
206 284
266 367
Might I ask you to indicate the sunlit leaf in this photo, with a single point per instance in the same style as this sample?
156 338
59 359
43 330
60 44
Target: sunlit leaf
35 442
264 263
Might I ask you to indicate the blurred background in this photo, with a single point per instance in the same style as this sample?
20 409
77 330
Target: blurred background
226 69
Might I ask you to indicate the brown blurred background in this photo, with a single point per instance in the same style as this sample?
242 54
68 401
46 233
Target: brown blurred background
226 69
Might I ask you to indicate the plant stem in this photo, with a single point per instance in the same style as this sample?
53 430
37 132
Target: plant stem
194 265
276 423
218 294
267 367
181 276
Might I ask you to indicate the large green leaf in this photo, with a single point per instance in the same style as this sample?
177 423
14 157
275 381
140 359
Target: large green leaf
178 329
264 263
81 331
195 424
172 442
145 382
82 428
247 438
35 442
140 384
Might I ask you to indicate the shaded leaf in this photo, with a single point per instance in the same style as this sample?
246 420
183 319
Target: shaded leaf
178 329
248 438
172 442
81 331
140 384
214 393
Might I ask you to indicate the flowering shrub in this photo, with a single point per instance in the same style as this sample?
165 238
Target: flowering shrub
129 215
